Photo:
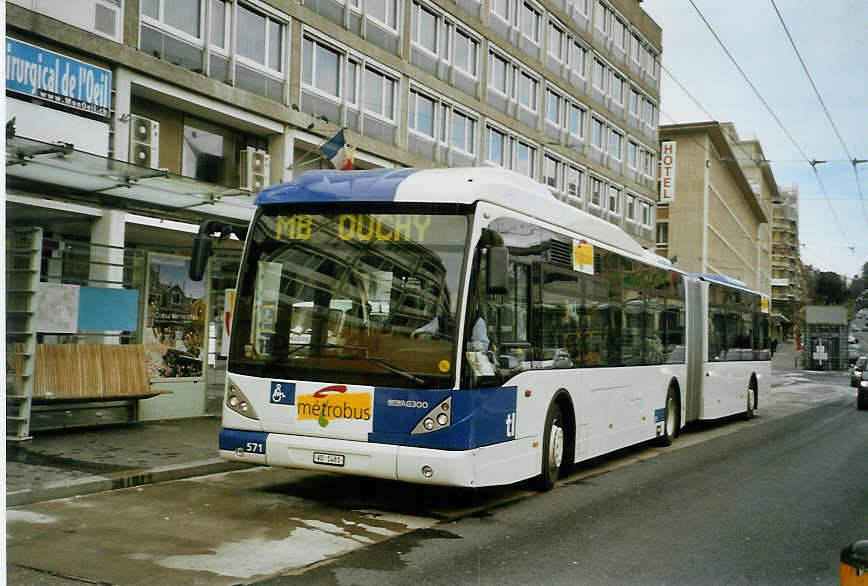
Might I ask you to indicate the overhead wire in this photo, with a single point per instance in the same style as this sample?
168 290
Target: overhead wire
850 157
812 163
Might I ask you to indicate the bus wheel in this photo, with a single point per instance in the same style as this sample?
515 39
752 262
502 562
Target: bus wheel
748 411
670 420
553 448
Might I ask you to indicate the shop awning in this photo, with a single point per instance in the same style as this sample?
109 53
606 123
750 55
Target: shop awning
61 171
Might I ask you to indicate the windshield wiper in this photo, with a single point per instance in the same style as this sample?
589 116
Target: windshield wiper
287 354
396 370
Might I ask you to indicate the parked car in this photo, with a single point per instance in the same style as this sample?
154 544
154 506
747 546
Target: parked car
857 369
862 393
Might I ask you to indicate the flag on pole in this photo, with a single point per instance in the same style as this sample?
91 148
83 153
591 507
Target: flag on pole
339 152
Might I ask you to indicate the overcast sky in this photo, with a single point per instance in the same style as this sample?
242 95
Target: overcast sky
832 38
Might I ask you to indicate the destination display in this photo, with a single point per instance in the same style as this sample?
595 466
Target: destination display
358 227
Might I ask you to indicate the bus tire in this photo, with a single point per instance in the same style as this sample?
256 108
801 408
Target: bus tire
553 448
748 411
670 420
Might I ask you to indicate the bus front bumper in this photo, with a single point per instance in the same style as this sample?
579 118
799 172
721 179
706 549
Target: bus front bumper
469 468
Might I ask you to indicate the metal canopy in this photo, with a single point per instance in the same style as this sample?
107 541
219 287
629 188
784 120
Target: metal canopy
61 167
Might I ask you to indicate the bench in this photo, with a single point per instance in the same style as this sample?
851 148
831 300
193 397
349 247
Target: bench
69 378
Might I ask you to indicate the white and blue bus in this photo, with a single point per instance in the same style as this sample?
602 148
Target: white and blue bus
464 327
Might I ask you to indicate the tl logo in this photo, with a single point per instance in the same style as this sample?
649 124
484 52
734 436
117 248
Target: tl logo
510 424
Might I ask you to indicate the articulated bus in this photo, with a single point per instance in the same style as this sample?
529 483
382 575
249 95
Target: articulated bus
464 327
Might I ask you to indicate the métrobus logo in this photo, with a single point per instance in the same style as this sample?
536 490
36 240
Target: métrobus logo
334 402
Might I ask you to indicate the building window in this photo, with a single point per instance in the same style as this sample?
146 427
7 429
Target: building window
614 200
617 89
182 15
600 14
550 172
649 113
577 121
466 50
578 59
618 30
421 114
259 39
501 8
556 42
553 107
597 133
575 178
530 21
646 214
599 75
525 162
219 24
615 140
463 132
662 234
384 11
632 155
528 91
424 30
379 94
320 67
649 166
498 76
631 208
634 103
495 147
432 119
596 191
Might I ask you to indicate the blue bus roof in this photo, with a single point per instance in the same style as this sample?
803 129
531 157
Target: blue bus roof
723 280
331 186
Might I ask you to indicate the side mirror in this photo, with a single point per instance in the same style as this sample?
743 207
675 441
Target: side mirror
497 270
199 257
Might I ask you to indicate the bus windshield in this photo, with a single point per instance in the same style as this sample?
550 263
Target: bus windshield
352 297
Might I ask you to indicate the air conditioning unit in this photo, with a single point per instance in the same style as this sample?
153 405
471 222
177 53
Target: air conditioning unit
254 169
144 141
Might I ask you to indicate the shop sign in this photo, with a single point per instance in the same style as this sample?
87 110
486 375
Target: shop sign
61 80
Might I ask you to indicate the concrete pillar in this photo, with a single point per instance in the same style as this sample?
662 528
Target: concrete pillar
107 250
281 150
120 146
107 257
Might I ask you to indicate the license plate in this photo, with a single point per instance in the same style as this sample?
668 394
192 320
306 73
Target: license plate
328 459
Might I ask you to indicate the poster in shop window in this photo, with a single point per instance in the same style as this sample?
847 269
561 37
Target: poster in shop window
174 321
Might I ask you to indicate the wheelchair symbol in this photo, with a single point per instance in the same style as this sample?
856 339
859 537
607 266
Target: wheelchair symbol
277 395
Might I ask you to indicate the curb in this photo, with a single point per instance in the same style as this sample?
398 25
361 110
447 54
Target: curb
94 484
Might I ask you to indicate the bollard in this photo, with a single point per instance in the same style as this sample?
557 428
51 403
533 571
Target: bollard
854 564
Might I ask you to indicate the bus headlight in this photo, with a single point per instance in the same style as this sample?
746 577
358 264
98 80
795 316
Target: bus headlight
238 402
864 384
436 419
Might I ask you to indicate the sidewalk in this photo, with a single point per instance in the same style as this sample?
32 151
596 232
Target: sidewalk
69 463
785 358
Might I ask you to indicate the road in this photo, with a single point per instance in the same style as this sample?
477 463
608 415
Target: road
772 500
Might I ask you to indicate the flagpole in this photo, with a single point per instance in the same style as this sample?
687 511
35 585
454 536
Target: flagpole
316 152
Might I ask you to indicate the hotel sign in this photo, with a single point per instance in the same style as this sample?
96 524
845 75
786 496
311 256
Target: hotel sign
667 171
61 80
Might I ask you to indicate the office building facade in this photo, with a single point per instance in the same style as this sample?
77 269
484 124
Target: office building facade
134 120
